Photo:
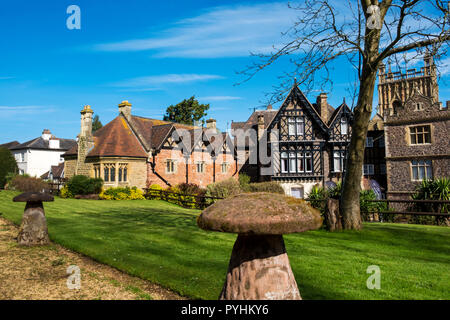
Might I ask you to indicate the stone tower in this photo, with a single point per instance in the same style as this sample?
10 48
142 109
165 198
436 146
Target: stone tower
85 141
395 88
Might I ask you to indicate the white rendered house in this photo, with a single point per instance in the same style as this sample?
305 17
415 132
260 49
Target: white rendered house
35 157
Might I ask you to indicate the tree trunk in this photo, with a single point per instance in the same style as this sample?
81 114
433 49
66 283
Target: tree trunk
332 215
349 204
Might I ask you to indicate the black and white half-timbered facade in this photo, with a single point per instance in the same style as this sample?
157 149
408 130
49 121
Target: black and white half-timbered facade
307 143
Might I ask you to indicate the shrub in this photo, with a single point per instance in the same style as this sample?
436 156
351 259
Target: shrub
223 189
366 206
270 186
65 193
432 189
194 195
315 196
28 184
244 181
153 192
190 188
122 193
82 185
335 192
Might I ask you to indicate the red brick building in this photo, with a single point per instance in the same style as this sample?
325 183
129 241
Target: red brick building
137 151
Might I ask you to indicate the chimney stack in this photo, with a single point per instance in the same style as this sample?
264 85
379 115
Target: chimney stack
125 109
261 125
54 143
269 107
211 124
322 105
46 134
86 121
85 141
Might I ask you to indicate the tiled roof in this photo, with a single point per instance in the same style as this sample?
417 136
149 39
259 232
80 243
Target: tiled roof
123 137
331 112
56 171
10 145
253 119
116 139
40 143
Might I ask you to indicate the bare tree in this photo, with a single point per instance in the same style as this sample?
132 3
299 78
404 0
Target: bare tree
364 32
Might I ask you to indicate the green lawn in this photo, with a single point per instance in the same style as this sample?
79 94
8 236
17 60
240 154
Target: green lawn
162 243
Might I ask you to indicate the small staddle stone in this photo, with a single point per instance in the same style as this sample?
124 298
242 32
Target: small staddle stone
33 230
259 267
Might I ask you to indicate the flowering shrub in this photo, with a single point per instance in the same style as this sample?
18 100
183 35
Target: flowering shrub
120 193
65 193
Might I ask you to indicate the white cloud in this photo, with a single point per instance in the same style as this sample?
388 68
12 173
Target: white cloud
166 78
219 32
219 98
8 111
140 89
444 66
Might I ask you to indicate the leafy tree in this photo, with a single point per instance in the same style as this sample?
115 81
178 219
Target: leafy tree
187 111
8 165
364 33
96 123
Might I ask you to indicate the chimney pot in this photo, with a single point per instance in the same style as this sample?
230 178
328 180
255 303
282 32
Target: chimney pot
46 134
125 108
211 124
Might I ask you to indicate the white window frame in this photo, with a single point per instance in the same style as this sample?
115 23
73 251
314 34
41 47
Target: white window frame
224 167
200 166
309 159
172 168
291 126
338 157
369 169
284 162
344 125
292 162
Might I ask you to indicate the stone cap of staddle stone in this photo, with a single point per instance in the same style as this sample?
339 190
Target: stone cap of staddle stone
260 213
33 197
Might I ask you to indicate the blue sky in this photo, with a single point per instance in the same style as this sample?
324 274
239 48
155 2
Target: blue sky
152 53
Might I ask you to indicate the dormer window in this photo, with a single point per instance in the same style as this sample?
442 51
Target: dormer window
344 126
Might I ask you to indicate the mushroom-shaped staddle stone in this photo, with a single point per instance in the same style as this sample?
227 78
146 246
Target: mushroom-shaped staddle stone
33 230
259 266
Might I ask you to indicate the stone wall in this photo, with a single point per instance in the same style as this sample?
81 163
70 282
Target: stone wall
70 167
400 152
